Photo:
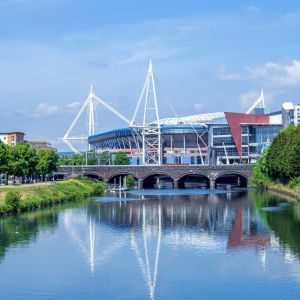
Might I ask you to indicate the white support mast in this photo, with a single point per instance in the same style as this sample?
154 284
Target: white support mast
260 102
150 129
89 105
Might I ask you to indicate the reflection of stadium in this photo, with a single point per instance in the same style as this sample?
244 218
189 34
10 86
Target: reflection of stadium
211 213
213 223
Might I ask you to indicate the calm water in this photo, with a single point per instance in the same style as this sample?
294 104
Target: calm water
155 245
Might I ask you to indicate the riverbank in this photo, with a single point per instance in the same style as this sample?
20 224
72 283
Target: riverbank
283 190
278 188
33 197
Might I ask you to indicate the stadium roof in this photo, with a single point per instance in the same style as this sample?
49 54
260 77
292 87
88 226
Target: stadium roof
200 119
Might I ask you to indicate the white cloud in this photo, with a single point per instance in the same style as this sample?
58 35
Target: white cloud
290 18
253 8
284 75
222 74
198 107
25 2
275 75
44 110
74 106
248 98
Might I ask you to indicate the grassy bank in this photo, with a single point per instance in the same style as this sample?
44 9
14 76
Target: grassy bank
261 181
285 190
25 198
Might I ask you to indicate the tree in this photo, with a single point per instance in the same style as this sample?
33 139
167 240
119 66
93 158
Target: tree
259 177
28 158
121 158
17 164
283 158
3 158
47 163
130 181
104 158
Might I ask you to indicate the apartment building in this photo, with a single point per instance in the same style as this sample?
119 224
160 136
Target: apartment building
12 138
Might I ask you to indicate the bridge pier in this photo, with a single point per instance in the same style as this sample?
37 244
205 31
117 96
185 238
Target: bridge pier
140 184
212 184
176 184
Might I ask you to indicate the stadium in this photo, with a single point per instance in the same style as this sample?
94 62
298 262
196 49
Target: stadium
202 139
216 138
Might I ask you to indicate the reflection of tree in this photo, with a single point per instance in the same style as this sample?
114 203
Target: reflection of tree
23 228
285 223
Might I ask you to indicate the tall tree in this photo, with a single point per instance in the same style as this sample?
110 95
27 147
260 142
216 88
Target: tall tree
17 165
121 158
3 158
47 163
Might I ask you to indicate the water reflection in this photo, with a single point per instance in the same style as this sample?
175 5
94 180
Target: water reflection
207 222
22 229
230 229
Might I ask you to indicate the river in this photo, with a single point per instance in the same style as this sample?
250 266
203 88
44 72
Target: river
155 244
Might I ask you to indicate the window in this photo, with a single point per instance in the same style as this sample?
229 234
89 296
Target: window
218 141
244 129
262 134
221 131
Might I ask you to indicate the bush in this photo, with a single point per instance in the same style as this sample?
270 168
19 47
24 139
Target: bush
294 182
130 181
259 177
13 199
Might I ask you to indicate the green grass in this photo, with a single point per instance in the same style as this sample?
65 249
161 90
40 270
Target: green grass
47 195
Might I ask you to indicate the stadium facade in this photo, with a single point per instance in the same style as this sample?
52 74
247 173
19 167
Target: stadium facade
215 138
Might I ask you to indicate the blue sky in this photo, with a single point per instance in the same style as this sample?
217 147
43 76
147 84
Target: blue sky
208 56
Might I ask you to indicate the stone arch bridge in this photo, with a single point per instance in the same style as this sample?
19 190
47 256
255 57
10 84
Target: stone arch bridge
211 174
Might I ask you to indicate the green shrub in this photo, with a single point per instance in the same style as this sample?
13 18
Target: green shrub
13 199
130 181
294 182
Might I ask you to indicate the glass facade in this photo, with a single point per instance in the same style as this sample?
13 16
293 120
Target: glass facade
212 143
262 133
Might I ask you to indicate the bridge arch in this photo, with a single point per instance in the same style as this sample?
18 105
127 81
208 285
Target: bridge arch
118 177
232 178
93 176
157 180
193 180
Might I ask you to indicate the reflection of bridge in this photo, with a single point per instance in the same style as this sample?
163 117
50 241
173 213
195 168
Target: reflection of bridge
175 174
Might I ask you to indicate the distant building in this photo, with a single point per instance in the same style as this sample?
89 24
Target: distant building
12 138
290 114
41 145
